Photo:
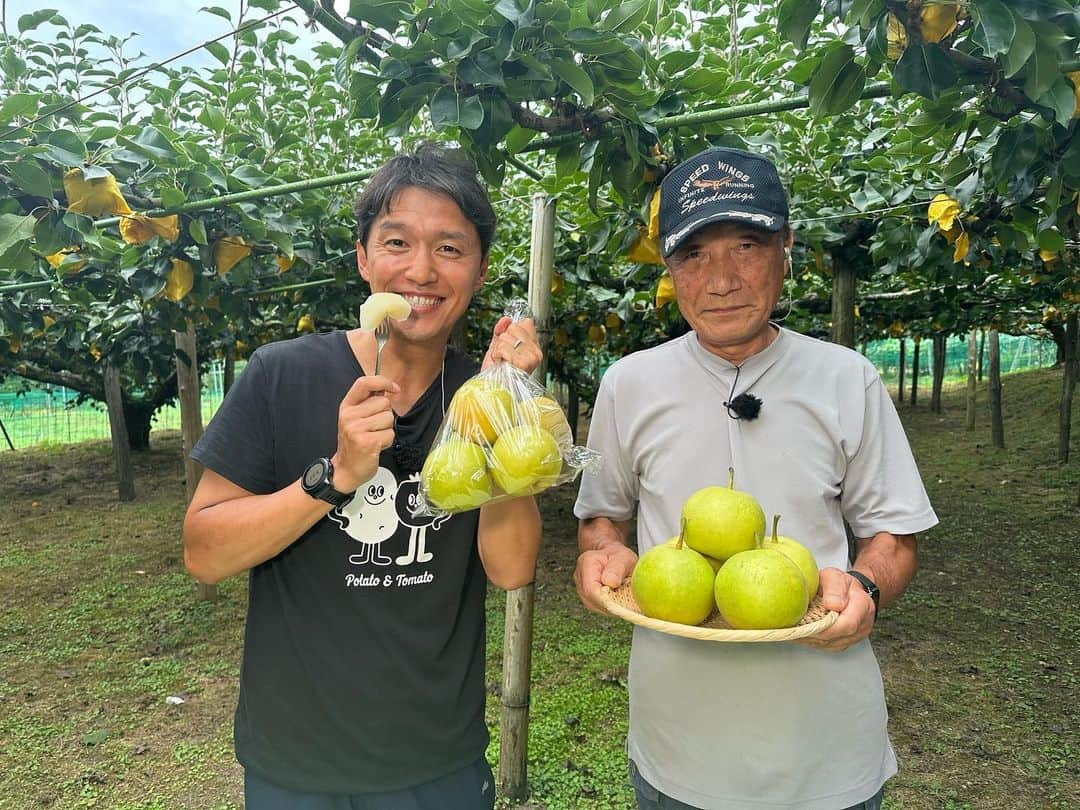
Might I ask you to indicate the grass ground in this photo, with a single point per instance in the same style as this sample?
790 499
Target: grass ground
99 627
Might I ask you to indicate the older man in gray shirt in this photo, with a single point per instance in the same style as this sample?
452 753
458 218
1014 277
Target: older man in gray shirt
811 432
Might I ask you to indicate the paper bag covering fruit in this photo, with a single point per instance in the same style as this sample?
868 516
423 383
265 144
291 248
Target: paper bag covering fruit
502 437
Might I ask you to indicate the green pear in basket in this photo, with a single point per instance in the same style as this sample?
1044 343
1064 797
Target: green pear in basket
761 589
798 553
673 583
721 521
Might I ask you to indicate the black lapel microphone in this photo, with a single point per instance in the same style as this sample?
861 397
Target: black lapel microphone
744 406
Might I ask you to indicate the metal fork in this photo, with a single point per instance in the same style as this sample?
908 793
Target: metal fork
382 335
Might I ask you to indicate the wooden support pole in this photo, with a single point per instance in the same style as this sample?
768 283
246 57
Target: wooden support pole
939 347
900 372
997 423
1071 369
518 629
915 371
843 301
191 424
121 446
972 360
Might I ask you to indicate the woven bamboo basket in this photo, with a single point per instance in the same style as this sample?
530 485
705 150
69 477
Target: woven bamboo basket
620 602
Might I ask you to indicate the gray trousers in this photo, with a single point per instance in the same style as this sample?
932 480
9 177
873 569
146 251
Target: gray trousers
649 798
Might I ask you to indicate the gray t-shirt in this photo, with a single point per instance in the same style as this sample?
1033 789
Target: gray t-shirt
725 726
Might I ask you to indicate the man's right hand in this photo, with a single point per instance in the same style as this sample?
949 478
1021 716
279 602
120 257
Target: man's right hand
608 566
365 429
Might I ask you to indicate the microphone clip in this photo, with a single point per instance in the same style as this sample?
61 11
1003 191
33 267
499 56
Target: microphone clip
744 406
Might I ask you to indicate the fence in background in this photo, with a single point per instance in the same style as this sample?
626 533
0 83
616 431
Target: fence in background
49 414
1017 354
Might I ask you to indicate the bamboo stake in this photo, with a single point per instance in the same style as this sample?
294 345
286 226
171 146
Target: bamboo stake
121 447
517 633
191 424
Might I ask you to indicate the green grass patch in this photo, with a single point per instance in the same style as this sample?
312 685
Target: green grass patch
99 624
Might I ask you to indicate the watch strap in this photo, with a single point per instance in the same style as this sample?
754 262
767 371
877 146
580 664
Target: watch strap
869 586
324 490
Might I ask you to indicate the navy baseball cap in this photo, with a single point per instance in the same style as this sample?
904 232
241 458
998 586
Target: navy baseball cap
720 185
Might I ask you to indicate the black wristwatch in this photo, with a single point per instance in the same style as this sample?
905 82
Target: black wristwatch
318 482
869 586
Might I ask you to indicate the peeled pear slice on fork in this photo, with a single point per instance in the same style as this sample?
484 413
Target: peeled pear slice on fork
380 306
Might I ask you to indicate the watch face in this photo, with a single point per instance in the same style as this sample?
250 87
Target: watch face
314 474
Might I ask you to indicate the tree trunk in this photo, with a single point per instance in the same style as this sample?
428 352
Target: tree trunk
971 389
982 353
121 446
843 302
137 418
1057 331
915 372
939 371
900 374
997 424
1071 366
191 424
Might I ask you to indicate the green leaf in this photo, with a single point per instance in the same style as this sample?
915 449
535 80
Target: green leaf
1042 71
172 197
626 16
567 160
803 70
10 63
517 138
15 228
345 60
283 242
219 52
218 11
926 70
574 76
1051 240
152 143
862 12
28 22
677 61
448 109
18 105
877 42
31 178
51 234
594 43
19 258
198 231
212 118
1023 45
509 10
64 148
795 18
364 90
482 69
837 83
250 176
385 14
997 25
1061 98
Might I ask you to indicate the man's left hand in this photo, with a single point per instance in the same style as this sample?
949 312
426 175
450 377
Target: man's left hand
845 595
514 342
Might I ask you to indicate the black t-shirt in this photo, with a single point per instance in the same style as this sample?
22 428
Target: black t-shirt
364 647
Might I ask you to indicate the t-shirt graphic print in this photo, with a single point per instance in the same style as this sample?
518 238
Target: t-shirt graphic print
378 509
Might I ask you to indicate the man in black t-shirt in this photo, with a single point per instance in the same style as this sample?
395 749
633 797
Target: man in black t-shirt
363 675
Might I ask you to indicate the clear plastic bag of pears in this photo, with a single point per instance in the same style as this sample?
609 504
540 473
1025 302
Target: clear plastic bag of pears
503 436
